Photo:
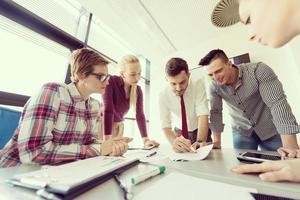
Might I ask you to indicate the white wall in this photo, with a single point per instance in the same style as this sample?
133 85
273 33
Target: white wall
295 49
281 60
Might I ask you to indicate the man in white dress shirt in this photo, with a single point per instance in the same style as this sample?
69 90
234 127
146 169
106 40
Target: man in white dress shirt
192 93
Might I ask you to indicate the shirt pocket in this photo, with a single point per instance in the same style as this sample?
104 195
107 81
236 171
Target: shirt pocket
65 122
81 126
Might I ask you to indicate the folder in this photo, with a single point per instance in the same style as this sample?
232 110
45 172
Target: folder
69 180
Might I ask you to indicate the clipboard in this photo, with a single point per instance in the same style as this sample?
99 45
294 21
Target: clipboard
89 173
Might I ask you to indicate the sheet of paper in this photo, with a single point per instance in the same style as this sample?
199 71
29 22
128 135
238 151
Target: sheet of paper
145 156
200 155
179 186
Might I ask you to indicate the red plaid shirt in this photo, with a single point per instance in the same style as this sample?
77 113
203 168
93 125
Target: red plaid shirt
56 126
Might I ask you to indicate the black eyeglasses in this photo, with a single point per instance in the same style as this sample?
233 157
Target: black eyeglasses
101 77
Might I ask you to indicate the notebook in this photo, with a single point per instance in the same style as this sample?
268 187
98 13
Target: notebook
75 177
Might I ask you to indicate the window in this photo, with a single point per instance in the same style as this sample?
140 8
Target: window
25 56
103 38
68 15
31 57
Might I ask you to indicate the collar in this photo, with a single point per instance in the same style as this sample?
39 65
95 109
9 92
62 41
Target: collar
74 93
240 70
240 75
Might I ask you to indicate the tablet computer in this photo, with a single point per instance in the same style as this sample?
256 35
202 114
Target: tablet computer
258 156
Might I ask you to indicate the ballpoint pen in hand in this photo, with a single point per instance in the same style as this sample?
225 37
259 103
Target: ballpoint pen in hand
151 154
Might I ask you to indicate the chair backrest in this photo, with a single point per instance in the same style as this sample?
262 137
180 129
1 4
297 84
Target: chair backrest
8 123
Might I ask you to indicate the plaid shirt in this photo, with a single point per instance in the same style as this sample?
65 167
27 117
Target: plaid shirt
56 126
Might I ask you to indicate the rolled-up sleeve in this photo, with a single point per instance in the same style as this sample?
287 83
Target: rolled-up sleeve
272 93
216 107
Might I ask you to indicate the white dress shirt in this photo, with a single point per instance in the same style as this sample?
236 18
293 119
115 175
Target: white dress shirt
196 104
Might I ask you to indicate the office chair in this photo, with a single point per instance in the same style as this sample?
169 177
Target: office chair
8 123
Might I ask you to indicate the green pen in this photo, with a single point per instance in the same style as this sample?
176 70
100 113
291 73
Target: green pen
142 177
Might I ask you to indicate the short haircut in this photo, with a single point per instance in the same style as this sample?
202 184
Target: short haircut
83 61
212 55
175 65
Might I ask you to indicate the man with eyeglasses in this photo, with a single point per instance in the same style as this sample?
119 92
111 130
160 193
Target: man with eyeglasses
62 123
101 77
186 100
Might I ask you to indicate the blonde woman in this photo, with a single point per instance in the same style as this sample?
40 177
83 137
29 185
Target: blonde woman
121 94
61 123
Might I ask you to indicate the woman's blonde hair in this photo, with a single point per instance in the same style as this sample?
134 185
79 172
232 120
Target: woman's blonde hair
129 59
83 61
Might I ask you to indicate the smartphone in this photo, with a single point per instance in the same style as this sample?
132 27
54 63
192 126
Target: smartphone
257 156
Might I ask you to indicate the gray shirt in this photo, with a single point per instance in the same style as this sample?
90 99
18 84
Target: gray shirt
257 103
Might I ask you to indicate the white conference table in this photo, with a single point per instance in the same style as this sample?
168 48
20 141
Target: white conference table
215 167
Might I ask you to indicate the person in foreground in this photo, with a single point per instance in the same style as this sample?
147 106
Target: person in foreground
260 118
273 23
121 94
61 123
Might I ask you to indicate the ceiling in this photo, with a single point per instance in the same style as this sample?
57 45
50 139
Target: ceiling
158 27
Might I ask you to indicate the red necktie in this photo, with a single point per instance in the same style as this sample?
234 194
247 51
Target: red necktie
184 130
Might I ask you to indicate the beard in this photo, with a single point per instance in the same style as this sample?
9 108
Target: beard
179 93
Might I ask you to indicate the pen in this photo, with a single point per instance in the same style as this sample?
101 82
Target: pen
137 148
127 194
149 174
151 154
193 149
